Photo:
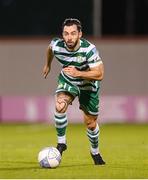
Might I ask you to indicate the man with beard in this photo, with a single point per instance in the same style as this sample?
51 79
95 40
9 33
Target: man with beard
81 74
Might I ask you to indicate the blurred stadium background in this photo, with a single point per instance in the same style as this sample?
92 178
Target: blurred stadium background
118 28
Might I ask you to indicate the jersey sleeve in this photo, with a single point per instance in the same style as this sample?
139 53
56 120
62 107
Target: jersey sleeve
53 43
93 58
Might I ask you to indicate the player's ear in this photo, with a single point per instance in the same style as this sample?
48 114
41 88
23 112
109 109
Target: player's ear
80 34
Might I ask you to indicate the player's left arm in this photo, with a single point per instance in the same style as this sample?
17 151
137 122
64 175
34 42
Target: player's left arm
94 73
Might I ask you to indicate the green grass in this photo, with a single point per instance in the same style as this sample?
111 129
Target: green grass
123 146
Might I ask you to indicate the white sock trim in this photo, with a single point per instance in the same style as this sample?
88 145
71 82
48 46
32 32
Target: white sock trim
94 151
59 114
62 139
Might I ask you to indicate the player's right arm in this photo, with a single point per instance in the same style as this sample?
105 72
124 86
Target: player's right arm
49 58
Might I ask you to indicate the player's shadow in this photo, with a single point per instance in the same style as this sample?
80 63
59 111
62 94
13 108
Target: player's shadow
76 165
29 165
33 165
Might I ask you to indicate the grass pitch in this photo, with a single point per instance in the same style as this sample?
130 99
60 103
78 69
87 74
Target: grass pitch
124 148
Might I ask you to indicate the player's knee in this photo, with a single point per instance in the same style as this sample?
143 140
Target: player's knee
91 124
61 106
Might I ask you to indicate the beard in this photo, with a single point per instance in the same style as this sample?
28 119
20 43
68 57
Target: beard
71 45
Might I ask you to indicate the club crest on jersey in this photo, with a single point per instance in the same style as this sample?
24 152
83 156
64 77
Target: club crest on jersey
80 59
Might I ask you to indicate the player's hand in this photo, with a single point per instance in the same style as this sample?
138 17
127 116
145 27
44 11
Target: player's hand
46 70
72 71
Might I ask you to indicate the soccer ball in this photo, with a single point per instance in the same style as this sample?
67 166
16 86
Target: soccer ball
49 157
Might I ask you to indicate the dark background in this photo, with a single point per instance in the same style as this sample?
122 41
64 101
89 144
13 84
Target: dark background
44 17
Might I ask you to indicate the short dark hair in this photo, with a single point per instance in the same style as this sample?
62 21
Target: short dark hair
72 21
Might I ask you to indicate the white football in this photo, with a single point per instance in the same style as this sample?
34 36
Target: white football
49 157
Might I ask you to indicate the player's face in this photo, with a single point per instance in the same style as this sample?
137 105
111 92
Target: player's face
71 36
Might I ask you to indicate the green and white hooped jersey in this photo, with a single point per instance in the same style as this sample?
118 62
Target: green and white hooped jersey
86 55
